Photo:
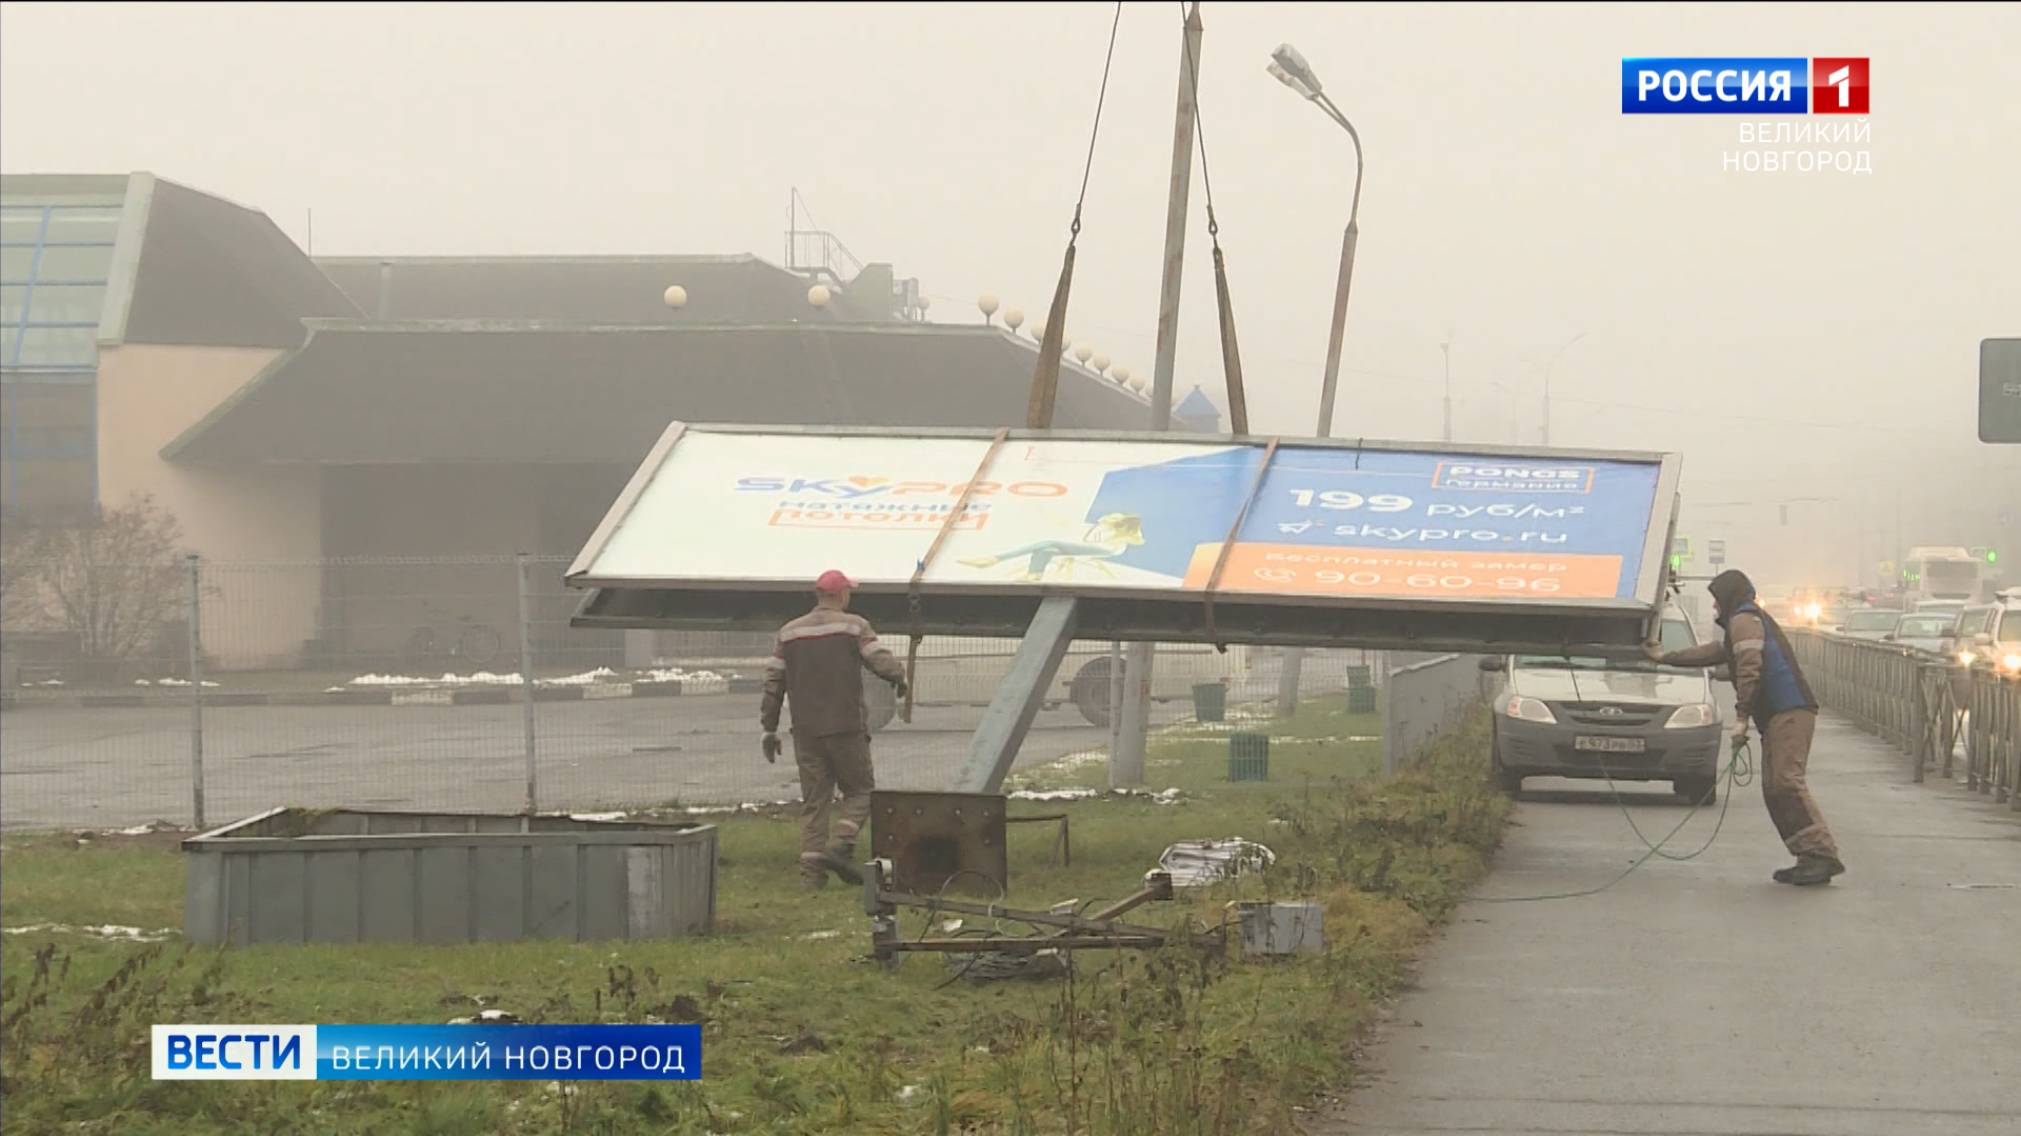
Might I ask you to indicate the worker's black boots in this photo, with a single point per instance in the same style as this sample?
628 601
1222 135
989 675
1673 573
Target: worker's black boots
1809 871
836 860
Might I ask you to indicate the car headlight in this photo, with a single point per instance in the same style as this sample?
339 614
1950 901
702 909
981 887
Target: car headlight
1967 658
1528 709
2011 663
1697 714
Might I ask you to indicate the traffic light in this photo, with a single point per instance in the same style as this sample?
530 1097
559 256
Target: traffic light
1677 562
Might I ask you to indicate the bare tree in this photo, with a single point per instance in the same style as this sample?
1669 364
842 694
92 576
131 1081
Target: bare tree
114 581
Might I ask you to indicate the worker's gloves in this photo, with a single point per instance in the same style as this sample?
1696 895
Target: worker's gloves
1740 736
772 747
1654 651
901 689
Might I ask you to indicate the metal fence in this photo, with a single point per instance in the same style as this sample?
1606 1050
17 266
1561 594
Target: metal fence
131 693
1422 700
1929 706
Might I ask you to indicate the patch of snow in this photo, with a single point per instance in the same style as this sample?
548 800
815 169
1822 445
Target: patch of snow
1053 794
170 682
596 816
906 1094
101 931
583 679
815 935
481 678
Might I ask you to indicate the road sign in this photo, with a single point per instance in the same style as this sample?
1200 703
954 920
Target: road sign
2000 390
1715 552
1681 546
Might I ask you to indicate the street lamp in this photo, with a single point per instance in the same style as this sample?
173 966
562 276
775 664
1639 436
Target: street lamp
1566 346
1290 68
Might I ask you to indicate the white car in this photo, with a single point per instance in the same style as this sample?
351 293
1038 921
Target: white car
1870 623
1992 635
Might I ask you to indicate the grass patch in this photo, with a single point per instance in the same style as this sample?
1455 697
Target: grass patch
800 1034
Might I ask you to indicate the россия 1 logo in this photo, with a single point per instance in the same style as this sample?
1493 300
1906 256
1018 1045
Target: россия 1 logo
1779 85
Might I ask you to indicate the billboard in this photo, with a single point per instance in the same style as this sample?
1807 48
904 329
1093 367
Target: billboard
1320 522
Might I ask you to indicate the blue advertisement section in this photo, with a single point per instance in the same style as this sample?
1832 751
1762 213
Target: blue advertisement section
509 1053
1180 505
1423 502
1340 522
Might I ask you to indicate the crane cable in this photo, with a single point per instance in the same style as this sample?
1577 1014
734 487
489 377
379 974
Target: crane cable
1046 378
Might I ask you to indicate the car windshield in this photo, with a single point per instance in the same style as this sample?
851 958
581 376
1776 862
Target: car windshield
1872 620
1676 635
1924 627
2010 628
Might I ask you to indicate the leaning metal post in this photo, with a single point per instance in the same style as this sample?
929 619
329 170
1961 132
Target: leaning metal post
196 689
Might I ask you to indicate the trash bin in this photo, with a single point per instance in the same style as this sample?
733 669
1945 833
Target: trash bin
1361 700
1210 702
1359 675
1248 756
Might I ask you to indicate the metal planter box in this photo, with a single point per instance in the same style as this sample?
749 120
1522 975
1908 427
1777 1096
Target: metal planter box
293 875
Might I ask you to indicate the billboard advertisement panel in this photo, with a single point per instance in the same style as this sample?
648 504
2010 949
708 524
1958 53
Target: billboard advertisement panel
1323 522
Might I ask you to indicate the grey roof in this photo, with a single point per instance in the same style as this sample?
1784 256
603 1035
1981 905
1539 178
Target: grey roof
215 273
373 393
601 289
188 267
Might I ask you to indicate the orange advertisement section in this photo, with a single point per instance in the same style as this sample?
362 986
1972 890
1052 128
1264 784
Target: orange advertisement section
1290 569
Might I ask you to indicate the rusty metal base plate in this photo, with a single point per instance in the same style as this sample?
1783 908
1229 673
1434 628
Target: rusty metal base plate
951 843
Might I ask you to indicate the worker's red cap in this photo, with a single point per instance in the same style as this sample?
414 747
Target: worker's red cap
833 581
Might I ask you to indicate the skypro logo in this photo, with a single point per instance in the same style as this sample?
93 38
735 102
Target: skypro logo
859 487
1740 85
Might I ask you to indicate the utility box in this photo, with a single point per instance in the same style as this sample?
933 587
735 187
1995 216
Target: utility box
937 843
1270 929
351 876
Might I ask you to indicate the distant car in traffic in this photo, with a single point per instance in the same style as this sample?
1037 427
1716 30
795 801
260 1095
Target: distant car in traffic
1870 623
1592 718
1991 635
1932 631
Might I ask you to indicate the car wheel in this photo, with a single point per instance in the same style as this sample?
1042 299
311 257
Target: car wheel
1697 790
882 702
1506 780
1090 691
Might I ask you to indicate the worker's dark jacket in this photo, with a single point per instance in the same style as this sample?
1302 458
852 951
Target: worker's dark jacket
1766 678
818 663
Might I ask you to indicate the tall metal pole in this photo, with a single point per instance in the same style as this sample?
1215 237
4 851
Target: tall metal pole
196 690
1126 761
526 684
1447 349
1547 381
1291 664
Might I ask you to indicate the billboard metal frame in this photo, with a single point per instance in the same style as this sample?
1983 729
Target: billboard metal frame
1134 614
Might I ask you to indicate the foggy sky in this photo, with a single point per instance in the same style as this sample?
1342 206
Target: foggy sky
1794 335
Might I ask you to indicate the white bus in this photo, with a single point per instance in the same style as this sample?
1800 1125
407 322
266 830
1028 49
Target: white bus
1941 573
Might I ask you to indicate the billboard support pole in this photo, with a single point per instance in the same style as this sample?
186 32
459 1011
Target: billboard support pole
1126 760
1019 696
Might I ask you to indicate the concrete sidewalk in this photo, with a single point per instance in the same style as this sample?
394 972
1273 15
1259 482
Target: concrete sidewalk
1702 998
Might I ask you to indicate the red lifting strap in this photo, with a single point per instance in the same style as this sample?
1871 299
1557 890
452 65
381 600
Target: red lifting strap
1228 545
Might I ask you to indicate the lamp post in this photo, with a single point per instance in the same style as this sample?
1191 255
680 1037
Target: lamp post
1566 346
1290 68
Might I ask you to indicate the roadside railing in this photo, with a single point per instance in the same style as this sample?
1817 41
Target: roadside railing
1923 703
1423 700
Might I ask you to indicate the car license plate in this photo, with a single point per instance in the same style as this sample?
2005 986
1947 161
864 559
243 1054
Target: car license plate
1612 745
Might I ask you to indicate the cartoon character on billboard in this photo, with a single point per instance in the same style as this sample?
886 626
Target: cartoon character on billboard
1109 537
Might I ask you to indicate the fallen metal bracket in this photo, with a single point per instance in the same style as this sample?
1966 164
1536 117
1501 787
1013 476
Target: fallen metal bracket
1099 930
